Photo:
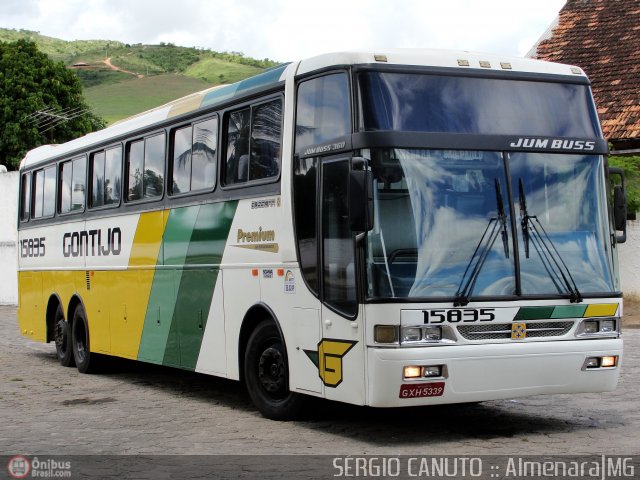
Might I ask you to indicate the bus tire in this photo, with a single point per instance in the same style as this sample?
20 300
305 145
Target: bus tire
62 338
85 360
266 374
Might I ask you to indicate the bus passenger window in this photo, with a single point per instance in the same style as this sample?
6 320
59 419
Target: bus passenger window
45 192
254 139
181 166
78 183
203 156
113 182
194 157
49 199
72 185
154 166
266 128
135 170
106 182
97 184
145 168
25 197
237 165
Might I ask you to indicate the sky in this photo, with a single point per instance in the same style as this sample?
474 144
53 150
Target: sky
286 30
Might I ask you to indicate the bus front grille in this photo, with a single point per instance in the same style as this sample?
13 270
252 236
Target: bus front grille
503 330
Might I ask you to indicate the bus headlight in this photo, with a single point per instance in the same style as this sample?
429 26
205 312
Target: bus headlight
590 326
598 327
598 363
411 334
385 334
416 334
432 333
607 326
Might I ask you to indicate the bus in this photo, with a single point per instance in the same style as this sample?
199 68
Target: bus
391 228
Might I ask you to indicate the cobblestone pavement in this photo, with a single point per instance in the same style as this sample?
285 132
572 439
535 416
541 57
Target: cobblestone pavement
136 408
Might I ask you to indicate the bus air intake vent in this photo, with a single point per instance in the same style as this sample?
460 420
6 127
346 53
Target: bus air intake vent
503 330
88 278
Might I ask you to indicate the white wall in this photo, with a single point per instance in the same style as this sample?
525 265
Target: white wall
629 258
8 238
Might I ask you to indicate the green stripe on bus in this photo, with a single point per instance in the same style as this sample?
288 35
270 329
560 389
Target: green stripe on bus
569 311
157 336
544 313
196 285
534 313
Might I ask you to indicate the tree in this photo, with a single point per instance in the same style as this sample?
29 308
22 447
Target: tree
631 167
31 82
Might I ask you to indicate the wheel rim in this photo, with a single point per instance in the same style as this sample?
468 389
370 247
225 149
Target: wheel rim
272 372
81 342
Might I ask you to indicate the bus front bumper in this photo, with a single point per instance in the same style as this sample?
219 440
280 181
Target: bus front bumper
472 373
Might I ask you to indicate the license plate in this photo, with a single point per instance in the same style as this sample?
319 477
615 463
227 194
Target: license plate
416 390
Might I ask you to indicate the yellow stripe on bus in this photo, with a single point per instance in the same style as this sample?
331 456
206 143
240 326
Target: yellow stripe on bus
128 291
601 310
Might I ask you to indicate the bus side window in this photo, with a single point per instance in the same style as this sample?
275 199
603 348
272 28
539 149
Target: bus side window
203 154
106 167
237 164
266 128
45 192
154 148
254 140
25 197
72 185
145 168
181 165
193 166
322 111
135 170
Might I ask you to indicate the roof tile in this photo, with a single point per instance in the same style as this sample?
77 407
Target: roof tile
603 37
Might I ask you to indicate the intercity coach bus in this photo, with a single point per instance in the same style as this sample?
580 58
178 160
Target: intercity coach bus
394 228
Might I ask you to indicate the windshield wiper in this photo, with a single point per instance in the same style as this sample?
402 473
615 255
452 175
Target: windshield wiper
496 226
533 232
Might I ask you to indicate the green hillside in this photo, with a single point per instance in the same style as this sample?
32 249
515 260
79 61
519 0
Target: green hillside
119 100
215 70
121 80
58 50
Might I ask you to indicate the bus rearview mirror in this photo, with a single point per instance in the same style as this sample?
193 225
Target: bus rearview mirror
619 206
360 196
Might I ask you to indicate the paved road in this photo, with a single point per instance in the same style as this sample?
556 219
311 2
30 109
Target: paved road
142 409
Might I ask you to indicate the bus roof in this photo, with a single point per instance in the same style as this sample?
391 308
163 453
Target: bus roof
223 93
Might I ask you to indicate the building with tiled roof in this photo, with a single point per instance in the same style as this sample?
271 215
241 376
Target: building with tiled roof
602 37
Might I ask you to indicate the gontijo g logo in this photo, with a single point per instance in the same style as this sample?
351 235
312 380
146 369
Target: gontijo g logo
328 359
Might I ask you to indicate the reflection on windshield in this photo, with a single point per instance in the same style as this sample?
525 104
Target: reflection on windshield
398 102
565 195
433 209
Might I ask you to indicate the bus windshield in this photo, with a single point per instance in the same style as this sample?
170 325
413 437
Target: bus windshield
415 102
445 222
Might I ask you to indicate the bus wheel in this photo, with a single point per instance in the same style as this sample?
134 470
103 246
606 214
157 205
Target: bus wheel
62 337
267 375
85 361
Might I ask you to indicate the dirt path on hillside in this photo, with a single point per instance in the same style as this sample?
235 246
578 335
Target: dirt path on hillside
107 62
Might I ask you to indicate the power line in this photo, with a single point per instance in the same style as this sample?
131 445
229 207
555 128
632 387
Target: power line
51 117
